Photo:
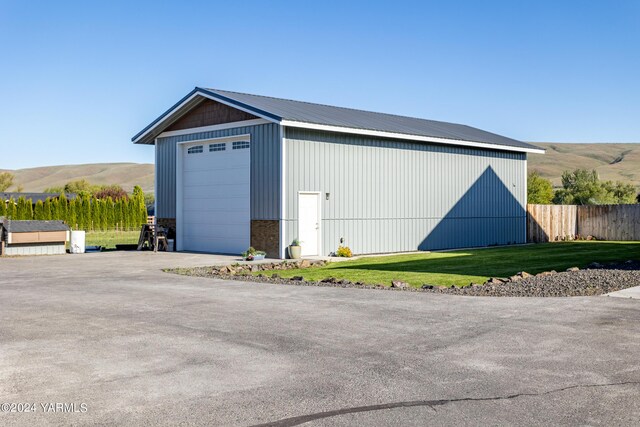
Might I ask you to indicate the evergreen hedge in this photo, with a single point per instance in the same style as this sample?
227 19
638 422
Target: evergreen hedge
84 212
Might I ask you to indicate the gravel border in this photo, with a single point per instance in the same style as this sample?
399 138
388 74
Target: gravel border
596 279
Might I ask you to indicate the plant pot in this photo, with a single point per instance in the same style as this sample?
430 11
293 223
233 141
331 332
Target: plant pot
258 257
295 252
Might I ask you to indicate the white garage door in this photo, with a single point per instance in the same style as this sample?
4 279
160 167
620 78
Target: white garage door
216 197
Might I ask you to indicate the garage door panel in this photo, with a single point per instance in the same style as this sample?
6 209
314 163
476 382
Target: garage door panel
217 191
218 176
229 215
202 161
201 178
226 231
240 204
216 197
216 200
202 218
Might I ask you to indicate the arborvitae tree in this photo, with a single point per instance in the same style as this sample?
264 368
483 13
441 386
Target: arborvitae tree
47 209
21 209
126 219
86 211
39 211
79 213
3 208
63 204
110 214
12 209
72 219
123 213
140 206
98 214
55 209
95 214
29 209
104 215
117 213
98 209
133 215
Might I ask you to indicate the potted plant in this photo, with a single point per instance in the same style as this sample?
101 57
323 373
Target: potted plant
253 254
295 249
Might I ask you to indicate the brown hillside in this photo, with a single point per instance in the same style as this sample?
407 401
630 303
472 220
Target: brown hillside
616 162
125 174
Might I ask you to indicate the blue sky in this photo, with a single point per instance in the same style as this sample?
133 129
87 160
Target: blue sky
79 79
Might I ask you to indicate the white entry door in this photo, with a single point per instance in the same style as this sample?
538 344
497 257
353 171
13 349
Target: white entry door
215 197
309 223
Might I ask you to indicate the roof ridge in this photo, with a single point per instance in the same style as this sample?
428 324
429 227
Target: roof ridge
337 106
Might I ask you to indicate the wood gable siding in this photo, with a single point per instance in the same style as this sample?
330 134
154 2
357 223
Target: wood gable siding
208 113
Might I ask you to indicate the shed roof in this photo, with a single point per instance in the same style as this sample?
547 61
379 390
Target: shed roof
14 226
339 119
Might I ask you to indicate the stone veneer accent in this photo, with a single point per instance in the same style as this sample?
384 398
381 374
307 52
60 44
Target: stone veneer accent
265 236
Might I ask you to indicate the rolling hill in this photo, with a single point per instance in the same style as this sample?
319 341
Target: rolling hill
615 162
125 174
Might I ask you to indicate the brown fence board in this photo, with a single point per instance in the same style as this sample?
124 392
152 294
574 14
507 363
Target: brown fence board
547 223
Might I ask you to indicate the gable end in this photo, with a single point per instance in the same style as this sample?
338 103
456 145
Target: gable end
208 113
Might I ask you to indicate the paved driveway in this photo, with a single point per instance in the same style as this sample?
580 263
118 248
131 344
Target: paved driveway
139 346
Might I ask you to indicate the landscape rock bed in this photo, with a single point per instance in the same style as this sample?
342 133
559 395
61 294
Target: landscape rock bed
596 279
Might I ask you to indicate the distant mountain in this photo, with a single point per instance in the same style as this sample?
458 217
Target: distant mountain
125 174
615 162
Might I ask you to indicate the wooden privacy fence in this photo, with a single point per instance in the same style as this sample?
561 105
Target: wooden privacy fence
604 222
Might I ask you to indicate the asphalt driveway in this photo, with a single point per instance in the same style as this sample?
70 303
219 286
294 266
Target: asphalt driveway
139 346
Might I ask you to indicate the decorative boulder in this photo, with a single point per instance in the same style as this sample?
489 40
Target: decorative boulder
399 284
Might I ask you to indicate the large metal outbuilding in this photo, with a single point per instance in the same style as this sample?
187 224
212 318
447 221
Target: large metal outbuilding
234 170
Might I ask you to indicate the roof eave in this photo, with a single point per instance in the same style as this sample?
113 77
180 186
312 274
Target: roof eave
421 138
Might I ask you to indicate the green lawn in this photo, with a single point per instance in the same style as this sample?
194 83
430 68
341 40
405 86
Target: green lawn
109 239
475 265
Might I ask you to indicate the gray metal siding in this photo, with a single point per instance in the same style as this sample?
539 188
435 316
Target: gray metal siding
265 169
390 195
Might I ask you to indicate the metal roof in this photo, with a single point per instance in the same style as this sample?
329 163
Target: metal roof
299 112
29 226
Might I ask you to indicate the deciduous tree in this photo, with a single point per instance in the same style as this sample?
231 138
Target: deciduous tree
6 180
539 189
583 187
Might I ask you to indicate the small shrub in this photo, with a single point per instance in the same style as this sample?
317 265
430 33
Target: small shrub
344 251
250 253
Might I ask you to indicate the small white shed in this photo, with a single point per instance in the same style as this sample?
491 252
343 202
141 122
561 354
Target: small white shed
33 237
